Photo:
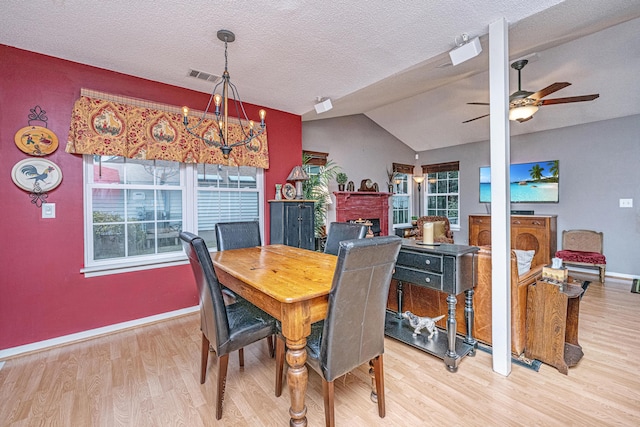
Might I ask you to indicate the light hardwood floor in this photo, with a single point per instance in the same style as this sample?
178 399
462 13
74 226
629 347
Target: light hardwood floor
149 376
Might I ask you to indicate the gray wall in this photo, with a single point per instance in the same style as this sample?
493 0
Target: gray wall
359 146
599 164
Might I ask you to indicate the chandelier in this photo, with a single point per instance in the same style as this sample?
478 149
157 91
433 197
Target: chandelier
228 99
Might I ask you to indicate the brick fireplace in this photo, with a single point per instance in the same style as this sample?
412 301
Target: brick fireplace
351 205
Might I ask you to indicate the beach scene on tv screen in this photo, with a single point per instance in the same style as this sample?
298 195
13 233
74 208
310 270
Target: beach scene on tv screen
534 182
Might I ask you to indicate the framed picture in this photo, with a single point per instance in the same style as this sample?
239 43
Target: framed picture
36 175
533 182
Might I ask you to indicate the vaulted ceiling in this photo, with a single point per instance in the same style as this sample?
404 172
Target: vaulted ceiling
387 60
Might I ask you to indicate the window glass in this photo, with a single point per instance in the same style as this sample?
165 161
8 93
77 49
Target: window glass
401 199
135 209
442 195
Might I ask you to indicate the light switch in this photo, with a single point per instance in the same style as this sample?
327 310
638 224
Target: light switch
48 210
626 203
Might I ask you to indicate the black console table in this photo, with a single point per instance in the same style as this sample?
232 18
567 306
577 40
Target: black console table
446 268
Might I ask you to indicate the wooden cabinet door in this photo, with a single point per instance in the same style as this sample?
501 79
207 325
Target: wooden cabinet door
479 230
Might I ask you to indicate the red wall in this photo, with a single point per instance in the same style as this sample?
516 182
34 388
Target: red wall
42 293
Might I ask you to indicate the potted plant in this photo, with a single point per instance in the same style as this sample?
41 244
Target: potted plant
341 179
414 220
317 188
391 175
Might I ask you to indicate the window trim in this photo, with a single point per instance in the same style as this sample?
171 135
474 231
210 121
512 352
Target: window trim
188 176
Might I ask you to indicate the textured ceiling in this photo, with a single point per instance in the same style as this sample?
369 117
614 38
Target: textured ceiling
387 60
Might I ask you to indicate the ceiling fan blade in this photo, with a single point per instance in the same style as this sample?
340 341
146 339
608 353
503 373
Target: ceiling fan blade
569 99
477 103
525 120
549 90
470 120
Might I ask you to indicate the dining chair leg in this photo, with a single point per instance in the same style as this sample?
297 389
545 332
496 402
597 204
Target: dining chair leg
327 392
270 345
223 363
241 357
378 370
279 365
204 358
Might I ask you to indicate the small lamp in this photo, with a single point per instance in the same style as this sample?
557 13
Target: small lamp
397 181
419 180
298 175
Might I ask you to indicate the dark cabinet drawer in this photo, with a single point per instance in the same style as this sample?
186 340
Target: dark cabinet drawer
430 262
418 277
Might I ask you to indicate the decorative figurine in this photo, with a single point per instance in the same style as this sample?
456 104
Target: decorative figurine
420 323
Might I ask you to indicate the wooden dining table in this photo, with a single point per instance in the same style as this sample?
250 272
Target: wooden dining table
292 285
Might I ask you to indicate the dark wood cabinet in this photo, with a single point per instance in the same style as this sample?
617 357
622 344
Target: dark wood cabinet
537 232
447 268
292 223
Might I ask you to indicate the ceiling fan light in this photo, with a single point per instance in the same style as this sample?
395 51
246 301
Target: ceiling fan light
524 112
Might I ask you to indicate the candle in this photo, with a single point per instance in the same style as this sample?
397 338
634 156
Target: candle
427 233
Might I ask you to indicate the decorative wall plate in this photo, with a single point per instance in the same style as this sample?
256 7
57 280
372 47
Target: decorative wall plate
289 191
36 175
36 140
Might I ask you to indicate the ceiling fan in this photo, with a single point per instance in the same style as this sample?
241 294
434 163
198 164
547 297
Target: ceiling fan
523 104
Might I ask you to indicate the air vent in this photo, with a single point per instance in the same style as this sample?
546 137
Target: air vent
204 76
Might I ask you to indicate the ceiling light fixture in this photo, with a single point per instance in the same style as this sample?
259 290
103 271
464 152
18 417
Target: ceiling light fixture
522 113
324 104
224 101
465 50
522 107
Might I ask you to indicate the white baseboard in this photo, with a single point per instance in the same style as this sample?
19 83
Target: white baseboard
594 271
92 333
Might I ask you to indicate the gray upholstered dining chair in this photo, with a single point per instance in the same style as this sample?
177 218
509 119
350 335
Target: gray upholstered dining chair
226 328
236 235
339 231
352 334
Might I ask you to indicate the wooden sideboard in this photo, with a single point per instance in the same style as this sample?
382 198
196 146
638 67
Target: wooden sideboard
537 232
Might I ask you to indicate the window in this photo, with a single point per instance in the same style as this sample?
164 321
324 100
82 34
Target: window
225 194
400 180
442 191
401 198
135 209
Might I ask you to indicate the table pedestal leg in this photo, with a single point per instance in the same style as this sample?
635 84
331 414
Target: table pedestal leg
297 378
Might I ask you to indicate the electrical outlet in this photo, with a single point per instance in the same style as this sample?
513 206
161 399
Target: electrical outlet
48 210
626 203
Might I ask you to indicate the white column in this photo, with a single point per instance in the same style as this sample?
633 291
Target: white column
500 206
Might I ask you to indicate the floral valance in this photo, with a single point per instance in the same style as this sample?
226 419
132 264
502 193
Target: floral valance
110 128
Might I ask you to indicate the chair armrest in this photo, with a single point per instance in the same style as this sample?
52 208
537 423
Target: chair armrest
532 275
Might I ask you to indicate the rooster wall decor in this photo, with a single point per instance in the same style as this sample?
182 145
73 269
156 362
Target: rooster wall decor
32 172
37 176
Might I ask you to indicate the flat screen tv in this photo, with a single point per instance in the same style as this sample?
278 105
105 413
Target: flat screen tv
534 182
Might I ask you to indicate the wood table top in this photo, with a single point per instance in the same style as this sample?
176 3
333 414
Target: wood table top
284 273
